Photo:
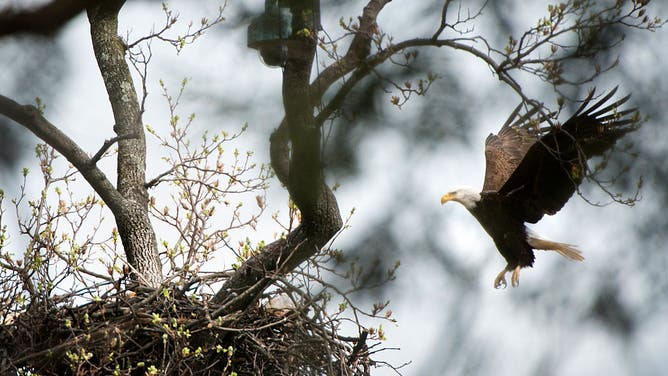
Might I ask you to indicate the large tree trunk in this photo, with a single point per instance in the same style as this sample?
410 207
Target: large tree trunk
133 222
297 160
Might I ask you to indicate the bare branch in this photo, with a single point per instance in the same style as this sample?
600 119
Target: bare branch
107 144
30 117
359 49
180 41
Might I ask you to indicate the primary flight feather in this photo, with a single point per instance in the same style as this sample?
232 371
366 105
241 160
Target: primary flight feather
533 171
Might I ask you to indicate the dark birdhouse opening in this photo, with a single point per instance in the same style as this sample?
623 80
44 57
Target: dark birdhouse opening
285 30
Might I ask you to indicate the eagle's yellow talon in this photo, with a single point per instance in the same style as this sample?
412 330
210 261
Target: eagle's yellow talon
500 280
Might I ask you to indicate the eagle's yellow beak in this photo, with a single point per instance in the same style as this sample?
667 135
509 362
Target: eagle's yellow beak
447 197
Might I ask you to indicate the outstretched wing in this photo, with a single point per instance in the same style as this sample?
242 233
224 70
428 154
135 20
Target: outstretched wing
552 168
504 151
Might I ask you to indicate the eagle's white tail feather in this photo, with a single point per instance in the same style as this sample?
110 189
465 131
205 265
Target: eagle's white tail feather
567 250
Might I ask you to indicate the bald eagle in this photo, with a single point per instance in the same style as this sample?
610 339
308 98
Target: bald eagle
533 171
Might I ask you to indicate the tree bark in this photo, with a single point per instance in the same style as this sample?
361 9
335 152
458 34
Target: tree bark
134 226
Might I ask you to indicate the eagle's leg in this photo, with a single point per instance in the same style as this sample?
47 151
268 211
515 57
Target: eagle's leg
500 280
515 279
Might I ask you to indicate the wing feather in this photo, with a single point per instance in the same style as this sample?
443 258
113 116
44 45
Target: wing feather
504 151
553 168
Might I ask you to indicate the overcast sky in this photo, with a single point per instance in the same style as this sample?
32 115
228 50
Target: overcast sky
445 324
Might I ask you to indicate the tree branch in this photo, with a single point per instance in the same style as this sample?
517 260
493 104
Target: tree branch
359 49
30 117
107 144
45 19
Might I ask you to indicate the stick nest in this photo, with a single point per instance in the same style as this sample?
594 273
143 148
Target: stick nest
164 333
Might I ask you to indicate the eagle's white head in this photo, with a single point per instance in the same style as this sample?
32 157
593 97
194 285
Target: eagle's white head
467 196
